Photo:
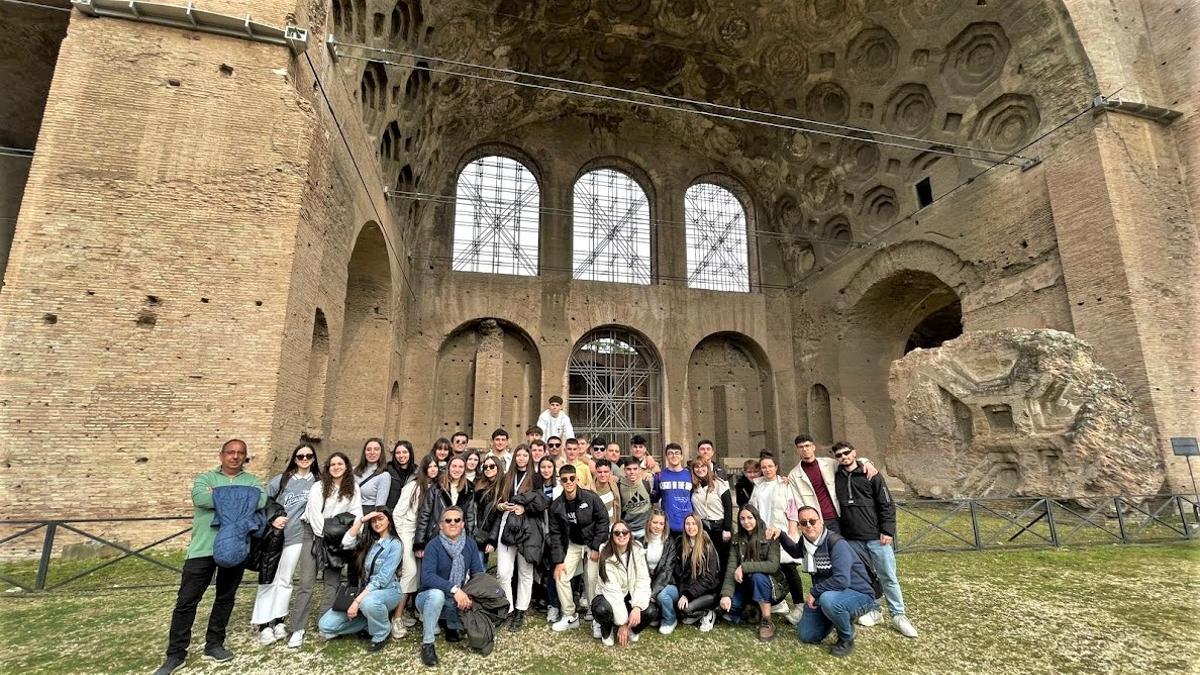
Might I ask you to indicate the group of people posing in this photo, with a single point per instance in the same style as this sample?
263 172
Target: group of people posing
578 530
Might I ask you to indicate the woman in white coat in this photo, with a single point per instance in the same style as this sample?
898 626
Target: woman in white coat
622 588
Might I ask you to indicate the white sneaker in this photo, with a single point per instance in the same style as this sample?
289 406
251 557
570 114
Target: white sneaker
781 608
793 616
666 628
553 614
596 632
566 623
633 637
280 631
587 615
870 618
297 640
608 641
398 629
267 636
709 620
902 624
408 620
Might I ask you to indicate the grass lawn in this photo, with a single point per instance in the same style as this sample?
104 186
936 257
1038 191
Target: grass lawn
1096 609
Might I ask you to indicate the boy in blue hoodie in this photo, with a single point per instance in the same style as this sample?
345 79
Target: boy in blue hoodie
673 488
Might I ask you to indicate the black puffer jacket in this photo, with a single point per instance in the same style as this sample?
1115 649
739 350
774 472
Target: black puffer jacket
525 531
708 582
399 478
664 573
593 521
437 500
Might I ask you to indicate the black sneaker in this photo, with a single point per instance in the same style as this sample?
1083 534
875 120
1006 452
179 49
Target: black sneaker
376 646
453 635
429 655
218 653
516 620
842 647
172 664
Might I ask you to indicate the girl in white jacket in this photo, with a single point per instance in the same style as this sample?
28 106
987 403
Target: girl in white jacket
623 587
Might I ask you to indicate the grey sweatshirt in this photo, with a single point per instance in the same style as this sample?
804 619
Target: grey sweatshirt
293 500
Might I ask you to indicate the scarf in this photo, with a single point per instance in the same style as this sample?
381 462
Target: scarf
816 556
458 564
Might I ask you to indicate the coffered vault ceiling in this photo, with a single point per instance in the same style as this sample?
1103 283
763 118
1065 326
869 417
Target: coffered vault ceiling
980 73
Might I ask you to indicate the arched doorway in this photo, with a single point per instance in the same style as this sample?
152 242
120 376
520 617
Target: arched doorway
731 396
615 387
905 310
361 391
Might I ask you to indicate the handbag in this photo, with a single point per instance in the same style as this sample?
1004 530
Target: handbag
347 592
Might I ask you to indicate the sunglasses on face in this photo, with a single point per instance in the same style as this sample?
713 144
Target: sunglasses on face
569 479
452 521
555 445
489 467
842 453
620 533
808 522
305 456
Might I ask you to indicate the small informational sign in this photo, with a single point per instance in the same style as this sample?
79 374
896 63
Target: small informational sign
1185 447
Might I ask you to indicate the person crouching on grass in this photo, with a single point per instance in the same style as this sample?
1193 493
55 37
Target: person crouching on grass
377 558
841 589
622 588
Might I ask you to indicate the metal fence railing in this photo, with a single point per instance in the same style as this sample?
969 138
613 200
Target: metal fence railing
1026 522
922 525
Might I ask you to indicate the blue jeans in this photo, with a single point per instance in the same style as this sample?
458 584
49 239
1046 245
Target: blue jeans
884 559
835 609
374 614
667 598
434 604
755 586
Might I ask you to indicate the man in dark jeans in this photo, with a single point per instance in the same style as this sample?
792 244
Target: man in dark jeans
199 567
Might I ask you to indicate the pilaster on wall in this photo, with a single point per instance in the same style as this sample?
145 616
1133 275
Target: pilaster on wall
1129 250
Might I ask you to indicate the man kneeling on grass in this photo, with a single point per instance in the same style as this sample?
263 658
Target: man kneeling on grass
841 587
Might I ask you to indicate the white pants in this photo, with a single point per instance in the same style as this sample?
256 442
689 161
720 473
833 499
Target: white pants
410 567
507 557
271 601
576 560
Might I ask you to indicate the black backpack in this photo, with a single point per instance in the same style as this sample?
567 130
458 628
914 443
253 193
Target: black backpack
877 587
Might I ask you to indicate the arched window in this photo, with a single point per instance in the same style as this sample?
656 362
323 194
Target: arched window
611 223
614 387
716 239
496 218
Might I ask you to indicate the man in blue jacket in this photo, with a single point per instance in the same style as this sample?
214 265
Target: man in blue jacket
841 587
448 561
200 566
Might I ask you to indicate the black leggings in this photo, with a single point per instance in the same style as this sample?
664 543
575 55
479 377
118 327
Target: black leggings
791 573
603 613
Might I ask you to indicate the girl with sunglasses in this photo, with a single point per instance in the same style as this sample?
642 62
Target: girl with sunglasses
289 489
622 588
488 486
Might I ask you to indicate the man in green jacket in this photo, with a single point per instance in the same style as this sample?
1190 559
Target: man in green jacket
199 567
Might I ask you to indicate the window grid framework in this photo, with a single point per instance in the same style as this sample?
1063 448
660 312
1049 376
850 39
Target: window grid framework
614 388
496 218
611 228
717 257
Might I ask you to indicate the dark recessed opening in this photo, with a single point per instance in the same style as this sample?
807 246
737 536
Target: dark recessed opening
924 193
940 326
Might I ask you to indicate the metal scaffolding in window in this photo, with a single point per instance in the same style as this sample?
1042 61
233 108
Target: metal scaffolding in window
614 388
611 228
496 211
717 257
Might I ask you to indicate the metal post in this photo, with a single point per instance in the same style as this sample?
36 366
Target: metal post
1187 531
1050 519
1121 520
47 549
975 526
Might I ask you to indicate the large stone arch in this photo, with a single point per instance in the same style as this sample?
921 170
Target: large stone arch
615 385
488 375
903 297
361 391
731 395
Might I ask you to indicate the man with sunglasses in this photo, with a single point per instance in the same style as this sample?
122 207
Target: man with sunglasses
458 442
449 560
554 450
812 480
578 528
841 587
868 522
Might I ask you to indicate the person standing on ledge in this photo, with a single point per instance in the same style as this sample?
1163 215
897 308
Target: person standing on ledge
200 567
554 420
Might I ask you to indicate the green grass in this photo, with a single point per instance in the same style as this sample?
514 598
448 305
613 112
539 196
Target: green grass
1094 609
